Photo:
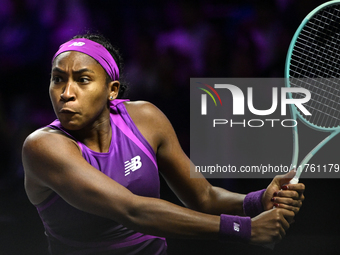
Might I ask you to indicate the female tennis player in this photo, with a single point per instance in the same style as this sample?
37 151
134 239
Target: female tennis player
93 173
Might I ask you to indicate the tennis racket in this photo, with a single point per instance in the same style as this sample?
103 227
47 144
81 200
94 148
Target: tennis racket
313 63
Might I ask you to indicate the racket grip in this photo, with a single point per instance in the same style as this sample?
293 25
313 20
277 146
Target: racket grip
295 180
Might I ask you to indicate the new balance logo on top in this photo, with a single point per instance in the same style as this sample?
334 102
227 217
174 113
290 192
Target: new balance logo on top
77 44
132 165
236 227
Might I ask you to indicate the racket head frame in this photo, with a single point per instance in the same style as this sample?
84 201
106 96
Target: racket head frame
293 110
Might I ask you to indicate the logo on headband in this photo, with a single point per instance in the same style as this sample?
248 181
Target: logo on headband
77 44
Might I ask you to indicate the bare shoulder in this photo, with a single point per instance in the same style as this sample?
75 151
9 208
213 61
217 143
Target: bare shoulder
151 122
144 110
45 146
42 150
45 139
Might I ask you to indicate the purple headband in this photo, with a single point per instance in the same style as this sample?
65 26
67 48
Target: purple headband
94 50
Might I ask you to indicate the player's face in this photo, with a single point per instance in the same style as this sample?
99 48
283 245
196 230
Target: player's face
78 91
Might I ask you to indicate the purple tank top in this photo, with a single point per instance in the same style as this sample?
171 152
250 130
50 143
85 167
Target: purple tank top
131 162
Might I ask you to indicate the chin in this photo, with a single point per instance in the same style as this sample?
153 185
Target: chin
70 125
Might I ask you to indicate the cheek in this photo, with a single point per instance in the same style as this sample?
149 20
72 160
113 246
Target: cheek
96 99
53 96
101 92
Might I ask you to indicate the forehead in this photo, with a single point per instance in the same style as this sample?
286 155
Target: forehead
74 59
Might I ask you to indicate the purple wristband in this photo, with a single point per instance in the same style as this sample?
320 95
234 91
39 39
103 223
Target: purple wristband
252 203
235 228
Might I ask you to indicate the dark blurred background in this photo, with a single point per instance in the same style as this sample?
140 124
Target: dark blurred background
164 43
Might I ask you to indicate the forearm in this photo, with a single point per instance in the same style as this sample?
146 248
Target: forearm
143 214
221 201
161 218
147 215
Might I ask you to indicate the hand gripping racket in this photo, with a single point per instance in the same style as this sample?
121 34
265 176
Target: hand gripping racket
313 63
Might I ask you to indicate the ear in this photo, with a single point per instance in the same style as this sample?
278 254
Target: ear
113 88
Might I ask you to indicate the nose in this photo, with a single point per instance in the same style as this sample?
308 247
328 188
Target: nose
68 93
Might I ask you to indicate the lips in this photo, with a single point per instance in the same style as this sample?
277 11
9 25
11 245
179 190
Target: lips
66 110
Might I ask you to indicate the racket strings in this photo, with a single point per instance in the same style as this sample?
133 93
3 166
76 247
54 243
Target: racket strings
315 65
317 102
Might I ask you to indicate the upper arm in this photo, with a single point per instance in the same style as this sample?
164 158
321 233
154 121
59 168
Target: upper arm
173 163
176 168
54 162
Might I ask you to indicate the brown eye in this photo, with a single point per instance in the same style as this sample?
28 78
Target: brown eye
56 79
84 80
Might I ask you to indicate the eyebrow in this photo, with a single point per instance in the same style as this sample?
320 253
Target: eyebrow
57 69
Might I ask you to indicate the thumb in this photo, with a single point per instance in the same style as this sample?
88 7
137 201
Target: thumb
284 179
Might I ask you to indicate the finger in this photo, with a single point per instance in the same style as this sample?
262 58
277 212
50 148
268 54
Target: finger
279 234
284 224
300 187
294 209
288 193
284 179
282 232
287 201
288 216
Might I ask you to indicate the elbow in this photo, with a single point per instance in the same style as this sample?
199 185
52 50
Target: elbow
131 212
139 215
